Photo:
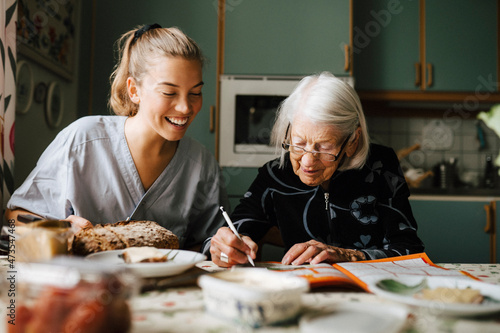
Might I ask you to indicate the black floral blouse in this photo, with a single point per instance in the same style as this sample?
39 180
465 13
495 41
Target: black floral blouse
365 209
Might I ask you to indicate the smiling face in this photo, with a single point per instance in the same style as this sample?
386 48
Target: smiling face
169 95
318 137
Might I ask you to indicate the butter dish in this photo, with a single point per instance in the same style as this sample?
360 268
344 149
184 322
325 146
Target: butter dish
253 296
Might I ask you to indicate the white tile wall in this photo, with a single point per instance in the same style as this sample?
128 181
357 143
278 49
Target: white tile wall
401 132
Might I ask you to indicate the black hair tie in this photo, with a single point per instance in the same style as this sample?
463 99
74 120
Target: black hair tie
139 32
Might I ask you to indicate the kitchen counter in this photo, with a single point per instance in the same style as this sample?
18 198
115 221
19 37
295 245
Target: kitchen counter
459 194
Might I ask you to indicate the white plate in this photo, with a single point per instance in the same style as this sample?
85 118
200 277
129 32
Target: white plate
354 317
182 261
442 308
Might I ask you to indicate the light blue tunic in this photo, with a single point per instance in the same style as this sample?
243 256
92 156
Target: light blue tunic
88 171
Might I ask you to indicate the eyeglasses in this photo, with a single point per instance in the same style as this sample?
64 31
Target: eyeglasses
326 157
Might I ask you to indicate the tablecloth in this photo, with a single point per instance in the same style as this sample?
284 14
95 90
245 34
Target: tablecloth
181 309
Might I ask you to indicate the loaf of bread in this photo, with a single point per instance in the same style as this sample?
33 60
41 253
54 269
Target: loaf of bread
122 235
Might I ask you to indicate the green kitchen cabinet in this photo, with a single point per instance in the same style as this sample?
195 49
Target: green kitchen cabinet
442 46
286 37
385 44
461 44
453 231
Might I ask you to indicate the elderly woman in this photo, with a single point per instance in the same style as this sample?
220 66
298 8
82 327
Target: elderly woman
333 195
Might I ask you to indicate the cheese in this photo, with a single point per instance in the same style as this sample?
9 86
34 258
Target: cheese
143 254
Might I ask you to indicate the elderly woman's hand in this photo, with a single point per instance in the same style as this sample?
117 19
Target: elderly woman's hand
226 243
315 252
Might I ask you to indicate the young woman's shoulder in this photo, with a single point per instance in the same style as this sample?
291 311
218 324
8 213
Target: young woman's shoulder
97 123
95 127
195 152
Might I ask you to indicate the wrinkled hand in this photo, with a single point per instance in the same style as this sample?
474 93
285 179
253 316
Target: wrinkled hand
226 241
78 223
315 252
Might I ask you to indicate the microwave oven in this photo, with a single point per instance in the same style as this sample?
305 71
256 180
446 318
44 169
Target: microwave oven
248 106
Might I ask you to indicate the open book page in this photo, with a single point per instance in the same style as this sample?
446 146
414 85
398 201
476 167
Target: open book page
367 273
362 274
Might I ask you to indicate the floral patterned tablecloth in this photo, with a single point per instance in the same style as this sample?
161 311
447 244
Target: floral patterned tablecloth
181 310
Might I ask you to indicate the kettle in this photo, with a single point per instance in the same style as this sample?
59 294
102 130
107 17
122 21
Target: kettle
445 174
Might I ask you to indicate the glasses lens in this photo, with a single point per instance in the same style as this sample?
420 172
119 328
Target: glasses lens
296 150
326 157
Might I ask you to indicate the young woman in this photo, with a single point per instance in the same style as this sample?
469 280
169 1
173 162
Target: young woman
136 164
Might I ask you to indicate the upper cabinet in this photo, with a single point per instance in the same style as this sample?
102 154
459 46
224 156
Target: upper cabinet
385 44
460 44
426 45
287 37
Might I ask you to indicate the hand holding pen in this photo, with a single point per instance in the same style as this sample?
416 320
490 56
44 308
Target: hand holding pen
224 256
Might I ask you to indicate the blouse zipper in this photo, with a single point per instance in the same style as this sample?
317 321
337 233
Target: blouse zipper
328 217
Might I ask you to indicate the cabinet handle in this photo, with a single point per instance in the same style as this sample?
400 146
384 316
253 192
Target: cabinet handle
490 217
347 62
418 74
212 119
429 75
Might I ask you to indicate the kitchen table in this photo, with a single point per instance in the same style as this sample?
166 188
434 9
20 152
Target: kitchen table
180 309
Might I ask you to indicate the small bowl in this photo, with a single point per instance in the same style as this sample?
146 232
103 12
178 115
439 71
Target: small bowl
253 296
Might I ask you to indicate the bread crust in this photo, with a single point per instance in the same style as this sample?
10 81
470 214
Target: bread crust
121 235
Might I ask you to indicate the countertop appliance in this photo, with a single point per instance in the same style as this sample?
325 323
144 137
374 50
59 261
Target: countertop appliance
247 111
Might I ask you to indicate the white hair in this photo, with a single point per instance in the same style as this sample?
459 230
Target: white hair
325 99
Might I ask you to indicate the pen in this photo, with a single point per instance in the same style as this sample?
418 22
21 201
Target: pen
231 226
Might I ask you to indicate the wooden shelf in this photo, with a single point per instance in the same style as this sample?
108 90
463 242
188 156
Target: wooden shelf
426 104
428 96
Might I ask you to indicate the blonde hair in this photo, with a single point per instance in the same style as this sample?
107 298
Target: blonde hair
325 99
134 54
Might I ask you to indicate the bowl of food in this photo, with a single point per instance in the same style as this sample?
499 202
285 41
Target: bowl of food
451 296
253 296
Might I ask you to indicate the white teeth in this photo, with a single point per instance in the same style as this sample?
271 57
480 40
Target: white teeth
178 121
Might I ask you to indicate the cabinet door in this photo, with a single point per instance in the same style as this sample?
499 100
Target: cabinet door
286 37
461 44
198 19
453 231
385 44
